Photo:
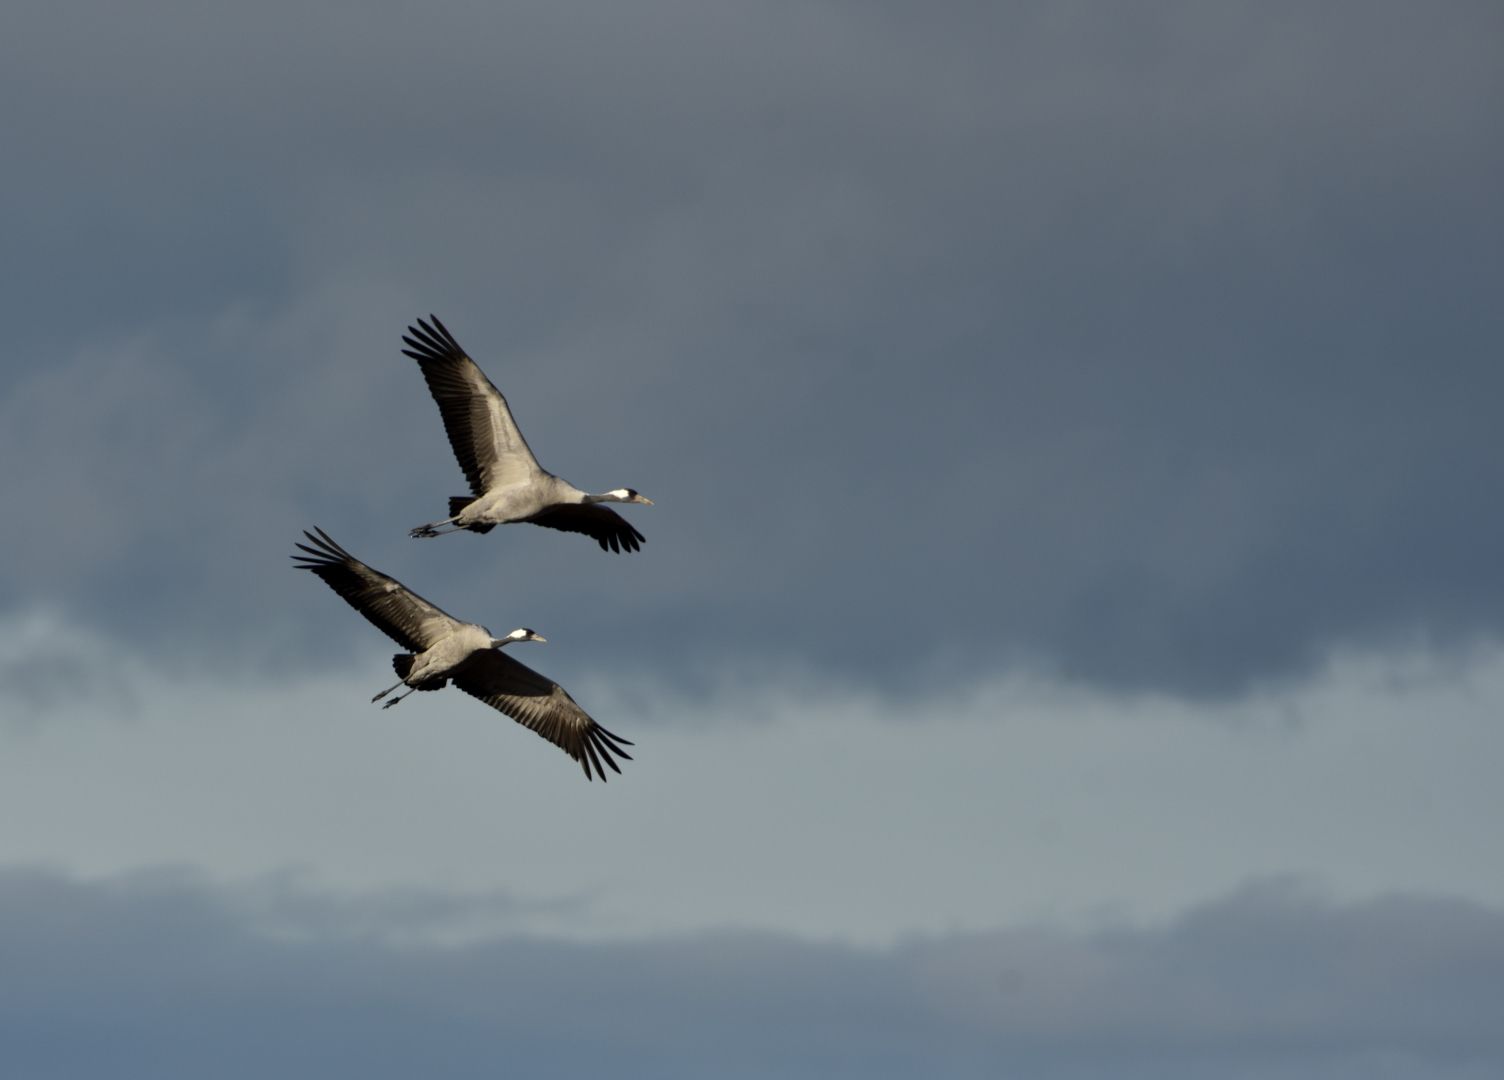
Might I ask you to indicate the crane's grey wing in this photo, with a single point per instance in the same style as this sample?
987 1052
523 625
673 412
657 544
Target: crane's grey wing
490 449
605 527
396 611
541 704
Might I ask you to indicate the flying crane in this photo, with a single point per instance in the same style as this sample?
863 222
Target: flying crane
506 482
444 650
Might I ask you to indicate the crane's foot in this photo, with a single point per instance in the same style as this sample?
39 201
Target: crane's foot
394 700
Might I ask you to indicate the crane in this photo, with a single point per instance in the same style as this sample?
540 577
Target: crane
506 482
443 649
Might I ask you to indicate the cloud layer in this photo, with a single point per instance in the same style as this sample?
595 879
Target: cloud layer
143 977
801 805
1159 347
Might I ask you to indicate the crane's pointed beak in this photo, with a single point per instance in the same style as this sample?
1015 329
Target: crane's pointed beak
643 499
537 637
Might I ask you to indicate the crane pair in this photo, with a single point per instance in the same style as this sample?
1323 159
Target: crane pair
507 485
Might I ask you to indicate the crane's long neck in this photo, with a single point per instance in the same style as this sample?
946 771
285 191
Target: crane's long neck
562 491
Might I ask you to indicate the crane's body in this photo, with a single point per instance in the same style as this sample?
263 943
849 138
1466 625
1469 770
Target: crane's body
451 653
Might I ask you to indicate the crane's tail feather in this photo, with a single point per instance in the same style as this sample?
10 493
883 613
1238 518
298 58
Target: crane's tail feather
402 664
457 504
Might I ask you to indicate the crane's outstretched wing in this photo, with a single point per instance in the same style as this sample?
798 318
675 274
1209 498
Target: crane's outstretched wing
606 527
541 704
400 614
490 449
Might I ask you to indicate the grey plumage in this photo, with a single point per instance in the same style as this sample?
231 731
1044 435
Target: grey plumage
444 649
506 482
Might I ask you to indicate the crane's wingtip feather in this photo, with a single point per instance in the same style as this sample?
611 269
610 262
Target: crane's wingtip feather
613 736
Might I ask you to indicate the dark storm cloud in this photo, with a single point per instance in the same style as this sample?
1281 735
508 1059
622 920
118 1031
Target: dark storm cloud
1159 345
152 977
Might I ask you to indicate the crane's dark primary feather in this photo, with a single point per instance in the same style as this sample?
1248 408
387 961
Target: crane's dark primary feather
606 527
539 703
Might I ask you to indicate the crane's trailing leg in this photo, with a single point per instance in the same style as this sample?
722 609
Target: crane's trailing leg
394 700
434 530
385 692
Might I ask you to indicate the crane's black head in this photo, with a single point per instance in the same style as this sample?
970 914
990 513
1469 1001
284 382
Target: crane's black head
627 495
523 634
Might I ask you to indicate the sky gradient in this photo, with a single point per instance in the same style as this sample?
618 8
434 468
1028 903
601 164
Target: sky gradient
1073 577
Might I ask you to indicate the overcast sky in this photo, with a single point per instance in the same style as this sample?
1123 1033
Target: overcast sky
1074 435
